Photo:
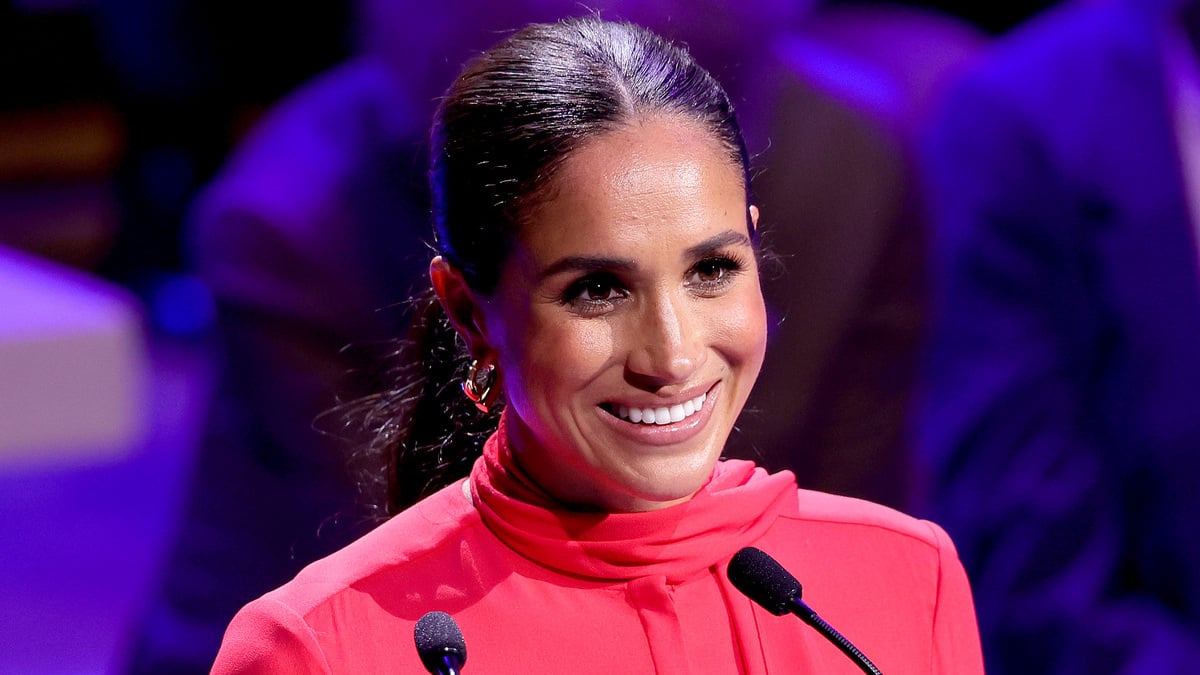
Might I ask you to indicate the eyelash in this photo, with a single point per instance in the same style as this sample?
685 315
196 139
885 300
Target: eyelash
573 295
724 267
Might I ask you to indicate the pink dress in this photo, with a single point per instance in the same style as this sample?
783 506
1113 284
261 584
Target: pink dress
536 589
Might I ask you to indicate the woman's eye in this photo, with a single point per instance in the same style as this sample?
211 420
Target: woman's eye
597 291
709 271
713 273
593 293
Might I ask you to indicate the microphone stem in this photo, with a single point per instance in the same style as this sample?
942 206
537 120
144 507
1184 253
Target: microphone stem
451 665
808 616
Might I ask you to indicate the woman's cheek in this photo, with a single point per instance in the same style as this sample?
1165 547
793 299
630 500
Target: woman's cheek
740 327
566 351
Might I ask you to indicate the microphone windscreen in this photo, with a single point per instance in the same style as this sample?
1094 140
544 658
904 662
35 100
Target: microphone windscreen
763 580
438 636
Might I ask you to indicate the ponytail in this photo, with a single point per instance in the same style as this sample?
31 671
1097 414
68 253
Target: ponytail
423 432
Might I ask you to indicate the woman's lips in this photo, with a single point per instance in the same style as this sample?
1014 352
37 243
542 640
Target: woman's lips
679 421
661 415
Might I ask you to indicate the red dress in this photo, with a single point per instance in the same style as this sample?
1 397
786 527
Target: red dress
541 590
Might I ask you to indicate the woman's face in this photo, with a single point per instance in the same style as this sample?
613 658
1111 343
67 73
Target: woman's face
631 293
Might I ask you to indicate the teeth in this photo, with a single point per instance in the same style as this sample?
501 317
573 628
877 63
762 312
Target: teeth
663 414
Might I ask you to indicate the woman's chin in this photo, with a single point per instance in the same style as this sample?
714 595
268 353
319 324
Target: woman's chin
654 491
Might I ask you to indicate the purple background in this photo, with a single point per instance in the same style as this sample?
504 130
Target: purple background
168 88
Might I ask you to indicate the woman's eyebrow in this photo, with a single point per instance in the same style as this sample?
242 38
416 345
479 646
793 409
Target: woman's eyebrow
579 263
583 263
706 247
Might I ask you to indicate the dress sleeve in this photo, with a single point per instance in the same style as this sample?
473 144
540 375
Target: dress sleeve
956 649
267 637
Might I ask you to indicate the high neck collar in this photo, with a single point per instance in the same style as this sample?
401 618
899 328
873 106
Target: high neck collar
734 509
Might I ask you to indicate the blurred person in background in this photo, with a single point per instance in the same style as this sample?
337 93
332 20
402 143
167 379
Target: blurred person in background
1060 395
188 77
849 87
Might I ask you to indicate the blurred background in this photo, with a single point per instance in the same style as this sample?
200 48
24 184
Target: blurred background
112 116
212 211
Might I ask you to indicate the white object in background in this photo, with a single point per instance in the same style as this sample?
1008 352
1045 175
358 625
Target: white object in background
72 365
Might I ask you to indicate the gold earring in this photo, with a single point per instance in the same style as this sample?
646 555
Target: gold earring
478 384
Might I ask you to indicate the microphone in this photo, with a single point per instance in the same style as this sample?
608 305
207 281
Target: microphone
761 578
440 644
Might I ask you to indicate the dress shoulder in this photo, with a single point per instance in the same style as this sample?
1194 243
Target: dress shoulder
829 508
443 519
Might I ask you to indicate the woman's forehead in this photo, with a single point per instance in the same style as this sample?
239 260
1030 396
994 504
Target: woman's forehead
661 183
653 164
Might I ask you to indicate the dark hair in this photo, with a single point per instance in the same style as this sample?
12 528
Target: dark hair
504 127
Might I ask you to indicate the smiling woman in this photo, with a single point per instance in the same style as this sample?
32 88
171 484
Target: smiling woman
598 262
633 289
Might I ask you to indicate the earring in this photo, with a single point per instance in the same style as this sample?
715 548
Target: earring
478 384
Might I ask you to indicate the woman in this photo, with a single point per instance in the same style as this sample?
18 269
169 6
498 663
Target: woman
598 260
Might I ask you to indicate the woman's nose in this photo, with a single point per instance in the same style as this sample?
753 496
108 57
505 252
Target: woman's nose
667 343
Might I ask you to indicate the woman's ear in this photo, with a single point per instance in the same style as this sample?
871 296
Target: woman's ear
753 217
460 304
